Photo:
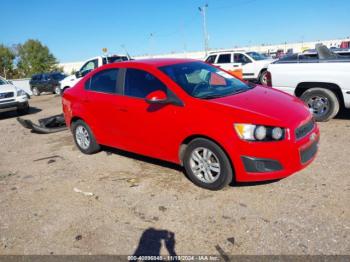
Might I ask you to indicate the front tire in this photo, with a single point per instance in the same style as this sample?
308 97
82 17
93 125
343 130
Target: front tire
207 165
323 102
263 78
84 138
23 110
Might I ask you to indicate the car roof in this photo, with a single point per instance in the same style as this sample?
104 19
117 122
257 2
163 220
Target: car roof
227 51
104 56
158 62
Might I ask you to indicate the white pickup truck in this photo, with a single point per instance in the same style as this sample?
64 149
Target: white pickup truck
321 81
253 64
87 67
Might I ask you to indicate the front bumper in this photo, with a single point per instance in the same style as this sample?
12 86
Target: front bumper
13 103
260 161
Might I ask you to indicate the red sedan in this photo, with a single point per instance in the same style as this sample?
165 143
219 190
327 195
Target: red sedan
188 112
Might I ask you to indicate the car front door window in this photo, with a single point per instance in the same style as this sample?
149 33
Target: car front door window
88 67
139 83
242 59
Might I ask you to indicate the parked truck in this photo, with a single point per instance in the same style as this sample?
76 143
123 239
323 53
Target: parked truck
252 64
88 66
321 81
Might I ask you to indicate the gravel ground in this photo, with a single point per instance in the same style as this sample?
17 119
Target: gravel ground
55 200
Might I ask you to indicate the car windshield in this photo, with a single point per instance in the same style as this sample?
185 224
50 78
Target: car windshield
256 56
204 81
3 82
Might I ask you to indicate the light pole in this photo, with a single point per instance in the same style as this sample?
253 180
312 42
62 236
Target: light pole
203 11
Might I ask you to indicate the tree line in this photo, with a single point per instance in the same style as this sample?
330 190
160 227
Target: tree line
24 60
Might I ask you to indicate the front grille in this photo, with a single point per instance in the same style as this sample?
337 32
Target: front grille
308 153
6 95
304 130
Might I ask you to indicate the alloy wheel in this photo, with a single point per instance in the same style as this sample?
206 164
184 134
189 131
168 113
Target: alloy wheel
82 137
205 165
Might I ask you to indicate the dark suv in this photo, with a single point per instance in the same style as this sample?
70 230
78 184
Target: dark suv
49 82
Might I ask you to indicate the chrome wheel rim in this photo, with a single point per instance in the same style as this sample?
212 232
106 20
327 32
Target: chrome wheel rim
264 78
319 105
205 165
82 137
57 90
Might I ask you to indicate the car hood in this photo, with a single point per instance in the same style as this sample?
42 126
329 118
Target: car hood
68 79
265 62
269 104
7 88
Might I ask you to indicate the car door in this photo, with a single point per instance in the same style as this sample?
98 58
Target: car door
147 128
224 61
36 81
101 102
246 63
44 83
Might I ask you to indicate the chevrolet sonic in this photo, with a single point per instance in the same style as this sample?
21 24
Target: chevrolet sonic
219 128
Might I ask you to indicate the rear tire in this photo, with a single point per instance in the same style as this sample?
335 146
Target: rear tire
323 102
207 165
84 138
35 91
57 90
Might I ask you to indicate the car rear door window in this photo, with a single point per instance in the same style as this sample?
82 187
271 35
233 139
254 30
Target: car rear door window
139 83
37 77
224 59
104 81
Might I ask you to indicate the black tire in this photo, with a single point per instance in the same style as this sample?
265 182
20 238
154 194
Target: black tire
35 91
225 176
23 110
93 146
63 90
57 90
326 96
262 77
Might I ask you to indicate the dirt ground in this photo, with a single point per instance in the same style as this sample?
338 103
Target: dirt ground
55 200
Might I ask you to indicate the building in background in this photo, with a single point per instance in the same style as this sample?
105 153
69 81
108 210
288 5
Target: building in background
267 49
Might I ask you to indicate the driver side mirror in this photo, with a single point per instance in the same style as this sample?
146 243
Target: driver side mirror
157 97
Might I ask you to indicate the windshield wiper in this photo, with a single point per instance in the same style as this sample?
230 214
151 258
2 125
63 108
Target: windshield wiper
241 90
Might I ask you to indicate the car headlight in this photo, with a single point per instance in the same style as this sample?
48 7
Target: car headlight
252 132
20 92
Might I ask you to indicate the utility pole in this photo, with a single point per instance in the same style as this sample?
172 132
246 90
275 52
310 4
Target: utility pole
203 11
